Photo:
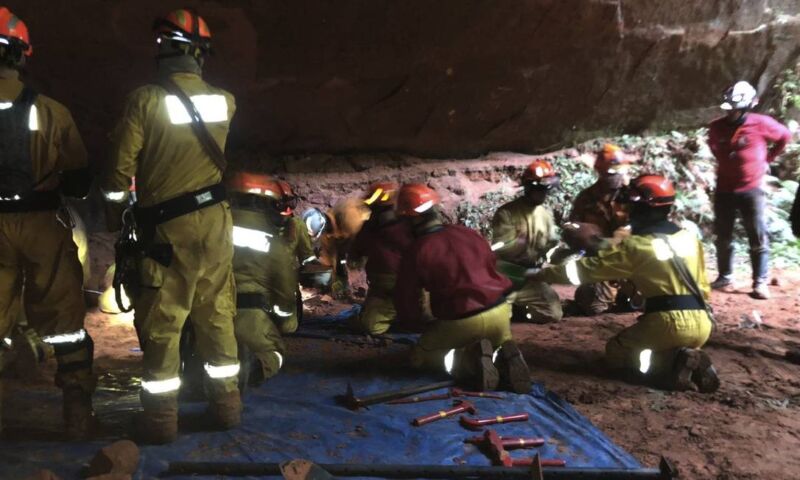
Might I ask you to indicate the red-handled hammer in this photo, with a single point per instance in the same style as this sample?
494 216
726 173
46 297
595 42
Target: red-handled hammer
500 456
510 443
461 407
478 423
457 392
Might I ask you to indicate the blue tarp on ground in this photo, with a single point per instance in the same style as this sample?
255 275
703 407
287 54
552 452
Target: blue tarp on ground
296 416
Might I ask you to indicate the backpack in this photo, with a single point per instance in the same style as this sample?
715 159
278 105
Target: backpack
16 165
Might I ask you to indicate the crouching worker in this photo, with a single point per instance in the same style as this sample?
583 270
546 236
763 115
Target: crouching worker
382 241
470 337
667 266
270 243
523 231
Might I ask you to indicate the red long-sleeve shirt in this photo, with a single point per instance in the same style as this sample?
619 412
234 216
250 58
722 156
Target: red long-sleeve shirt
743 151
457 267
383 245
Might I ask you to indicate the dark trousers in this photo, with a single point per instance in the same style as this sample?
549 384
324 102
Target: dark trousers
751 206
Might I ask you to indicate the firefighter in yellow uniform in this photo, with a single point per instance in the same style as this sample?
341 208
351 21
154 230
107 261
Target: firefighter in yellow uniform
42 155
664 344
599 205
184 225
523 232
270 244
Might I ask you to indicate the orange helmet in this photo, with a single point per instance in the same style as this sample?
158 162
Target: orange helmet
610 159
540 173
14 33
381 194
187 31
267 187
414 199
651 190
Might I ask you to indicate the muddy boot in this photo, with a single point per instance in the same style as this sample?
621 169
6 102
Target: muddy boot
158 423
514 372
226 410
705 375
473 367
693 368
79 419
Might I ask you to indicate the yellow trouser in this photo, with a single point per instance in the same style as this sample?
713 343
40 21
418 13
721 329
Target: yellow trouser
540 301
198 283
256 330
443 335
659 332
37 251
378 311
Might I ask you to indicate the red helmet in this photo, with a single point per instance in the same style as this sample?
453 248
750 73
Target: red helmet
381 194
185 26
265 186
610 159
414 199
651 190
14 32
540 173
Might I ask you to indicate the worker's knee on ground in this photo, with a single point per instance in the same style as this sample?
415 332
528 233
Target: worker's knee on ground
537 313
270 362
376 316
432 360
618 356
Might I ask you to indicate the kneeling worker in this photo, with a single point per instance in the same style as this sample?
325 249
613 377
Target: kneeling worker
667 266
471 336
523 231
382 241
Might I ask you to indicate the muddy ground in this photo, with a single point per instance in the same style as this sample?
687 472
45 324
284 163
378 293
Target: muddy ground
749 429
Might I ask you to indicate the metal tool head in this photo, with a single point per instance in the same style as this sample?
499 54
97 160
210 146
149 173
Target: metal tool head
468 406
458 392
349 399
494 444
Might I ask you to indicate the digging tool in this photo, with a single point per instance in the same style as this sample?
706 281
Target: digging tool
457 392
510 443
478 423
497 452
461 406
236 469
429 398
352 402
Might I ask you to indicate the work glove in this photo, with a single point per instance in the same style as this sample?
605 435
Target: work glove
583 236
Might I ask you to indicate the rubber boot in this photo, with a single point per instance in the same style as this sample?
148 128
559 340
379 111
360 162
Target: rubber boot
514 372
79 419
473 367
226 410
159 422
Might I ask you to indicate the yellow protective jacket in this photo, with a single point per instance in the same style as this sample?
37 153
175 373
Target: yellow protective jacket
522 234
645 260
155 143
270 266
56 145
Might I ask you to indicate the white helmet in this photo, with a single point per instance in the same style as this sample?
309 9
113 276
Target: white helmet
740 96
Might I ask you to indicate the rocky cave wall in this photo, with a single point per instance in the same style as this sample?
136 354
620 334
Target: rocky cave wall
441 78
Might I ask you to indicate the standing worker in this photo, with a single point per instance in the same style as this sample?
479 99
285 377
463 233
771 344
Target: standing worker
42 157
667 266
740 142
382 240
600 205
183 222
523 231
470 337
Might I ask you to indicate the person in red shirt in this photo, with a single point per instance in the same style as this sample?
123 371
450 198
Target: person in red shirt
381 240
471 334
744 143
